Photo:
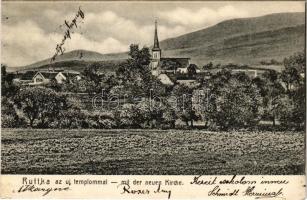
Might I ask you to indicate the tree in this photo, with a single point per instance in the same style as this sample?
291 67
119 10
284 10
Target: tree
9 115
291 116
8 88
71 115
184 105
296 116
296 61
71 118
272 93
93 78
192 70
208 66
169 116
129 116
235 101
3 70
135 74
293 76
294 67
271 62
140 57
54 85
150 112
137 64
39 103
110 82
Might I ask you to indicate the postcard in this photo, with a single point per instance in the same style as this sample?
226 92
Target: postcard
153 99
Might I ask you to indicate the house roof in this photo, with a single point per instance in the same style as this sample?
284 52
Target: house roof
168 63
180 77
236 67
49 75
239 68
71 74
165 79
28 75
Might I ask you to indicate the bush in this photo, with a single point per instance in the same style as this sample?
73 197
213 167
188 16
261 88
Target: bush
128 116
9 116
98 121
106 123
7 121
12 121
71 119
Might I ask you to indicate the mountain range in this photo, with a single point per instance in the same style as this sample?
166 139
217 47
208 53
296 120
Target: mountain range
240 41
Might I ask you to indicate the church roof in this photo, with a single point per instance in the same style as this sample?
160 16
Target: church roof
156 40
169 63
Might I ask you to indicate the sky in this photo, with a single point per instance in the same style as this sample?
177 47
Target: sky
31 30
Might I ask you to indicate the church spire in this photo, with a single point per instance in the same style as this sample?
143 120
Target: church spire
156 40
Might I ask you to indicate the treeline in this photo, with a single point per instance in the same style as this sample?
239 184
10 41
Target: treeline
224 101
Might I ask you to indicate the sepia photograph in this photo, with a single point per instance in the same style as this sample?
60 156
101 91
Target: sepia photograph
153 88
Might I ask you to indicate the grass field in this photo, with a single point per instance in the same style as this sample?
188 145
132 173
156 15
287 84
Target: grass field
171 152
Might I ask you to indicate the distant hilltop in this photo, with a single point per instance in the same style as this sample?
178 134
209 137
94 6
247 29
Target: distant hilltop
247 41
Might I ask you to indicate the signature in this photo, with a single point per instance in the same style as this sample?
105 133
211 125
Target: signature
270 197
126 189
32 188
69 26
250 191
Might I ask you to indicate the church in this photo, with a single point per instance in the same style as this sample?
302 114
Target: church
161 65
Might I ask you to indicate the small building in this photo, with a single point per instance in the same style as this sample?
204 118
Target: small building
71 75
249 71
174 65
24 78
44 77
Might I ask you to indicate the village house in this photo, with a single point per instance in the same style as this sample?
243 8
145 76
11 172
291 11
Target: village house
252 72
24 78
71 75
45 77
173 65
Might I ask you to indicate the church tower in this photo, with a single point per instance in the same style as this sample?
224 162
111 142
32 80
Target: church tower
155 52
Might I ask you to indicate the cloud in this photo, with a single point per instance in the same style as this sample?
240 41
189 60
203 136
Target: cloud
201 17
104 32
24 43
108 23
35 44
33 30
51 14
104 24
169 32
108 45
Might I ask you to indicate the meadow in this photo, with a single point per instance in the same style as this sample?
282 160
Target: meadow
159 152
